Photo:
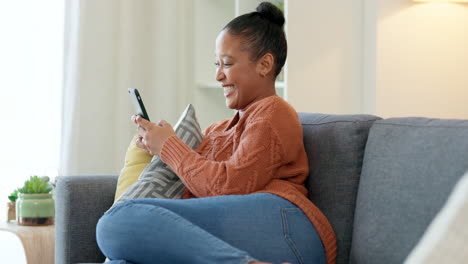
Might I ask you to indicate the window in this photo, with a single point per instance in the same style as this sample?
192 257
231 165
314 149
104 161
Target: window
31 66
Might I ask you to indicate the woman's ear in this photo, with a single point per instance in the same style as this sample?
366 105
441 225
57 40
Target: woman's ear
266 64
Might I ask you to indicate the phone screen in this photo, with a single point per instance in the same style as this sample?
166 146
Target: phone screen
138 103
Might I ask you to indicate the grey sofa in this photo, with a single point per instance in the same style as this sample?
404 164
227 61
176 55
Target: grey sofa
380 182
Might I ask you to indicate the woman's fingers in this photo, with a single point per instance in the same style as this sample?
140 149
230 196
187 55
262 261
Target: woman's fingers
133 118
140 142
162 123
145 124
151 136
141 131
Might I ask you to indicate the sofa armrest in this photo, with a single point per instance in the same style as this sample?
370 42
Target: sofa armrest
80 201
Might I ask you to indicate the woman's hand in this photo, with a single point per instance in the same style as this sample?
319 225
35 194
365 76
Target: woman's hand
152 136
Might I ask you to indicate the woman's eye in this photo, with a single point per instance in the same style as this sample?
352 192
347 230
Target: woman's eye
217 64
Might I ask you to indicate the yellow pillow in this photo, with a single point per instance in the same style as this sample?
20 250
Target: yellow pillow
136 160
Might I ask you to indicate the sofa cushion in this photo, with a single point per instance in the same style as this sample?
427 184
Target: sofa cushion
410 167
335 148
136 160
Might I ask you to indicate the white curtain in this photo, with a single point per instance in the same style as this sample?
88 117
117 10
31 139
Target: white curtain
111 45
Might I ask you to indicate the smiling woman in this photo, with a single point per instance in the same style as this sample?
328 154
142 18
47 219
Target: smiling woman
30 83
245 198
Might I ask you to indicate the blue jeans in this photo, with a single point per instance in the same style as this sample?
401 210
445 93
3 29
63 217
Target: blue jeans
223 229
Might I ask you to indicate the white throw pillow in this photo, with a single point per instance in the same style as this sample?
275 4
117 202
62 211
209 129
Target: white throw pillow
446 239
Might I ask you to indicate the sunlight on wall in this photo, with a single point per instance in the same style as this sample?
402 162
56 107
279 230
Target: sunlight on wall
422 61
31 51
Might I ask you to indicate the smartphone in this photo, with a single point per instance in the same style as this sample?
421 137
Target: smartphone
138 103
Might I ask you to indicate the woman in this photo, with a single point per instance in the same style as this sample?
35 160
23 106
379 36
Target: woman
246 177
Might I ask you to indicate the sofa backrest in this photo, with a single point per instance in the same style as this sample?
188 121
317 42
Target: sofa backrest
410 167
335 147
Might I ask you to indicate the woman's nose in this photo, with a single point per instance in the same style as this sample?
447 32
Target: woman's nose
219 74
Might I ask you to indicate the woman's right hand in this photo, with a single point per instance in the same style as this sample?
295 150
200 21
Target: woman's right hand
152 136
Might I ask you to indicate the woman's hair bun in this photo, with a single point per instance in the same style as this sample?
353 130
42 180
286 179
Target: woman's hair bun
271 12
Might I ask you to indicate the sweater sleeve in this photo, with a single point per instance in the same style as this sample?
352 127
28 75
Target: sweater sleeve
250 168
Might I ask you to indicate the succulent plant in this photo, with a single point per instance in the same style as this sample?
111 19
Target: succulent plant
13 196
36 184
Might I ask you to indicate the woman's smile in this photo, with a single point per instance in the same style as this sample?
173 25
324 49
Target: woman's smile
228 90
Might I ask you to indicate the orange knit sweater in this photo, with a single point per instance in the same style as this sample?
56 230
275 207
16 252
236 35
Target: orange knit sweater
260 152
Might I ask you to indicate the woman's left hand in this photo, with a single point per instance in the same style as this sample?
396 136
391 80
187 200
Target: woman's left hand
152 136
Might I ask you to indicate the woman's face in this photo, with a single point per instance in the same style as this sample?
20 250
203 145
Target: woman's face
240 77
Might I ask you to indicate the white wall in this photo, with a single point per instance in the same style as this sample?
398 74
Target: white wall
384 57
422 59
325 55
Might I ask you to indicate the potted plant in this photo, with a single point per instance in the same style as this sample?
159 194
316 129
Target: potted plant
35 205
12 205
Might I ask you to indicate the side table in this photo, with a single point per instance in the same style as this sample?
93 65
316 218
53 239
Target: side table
38 241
